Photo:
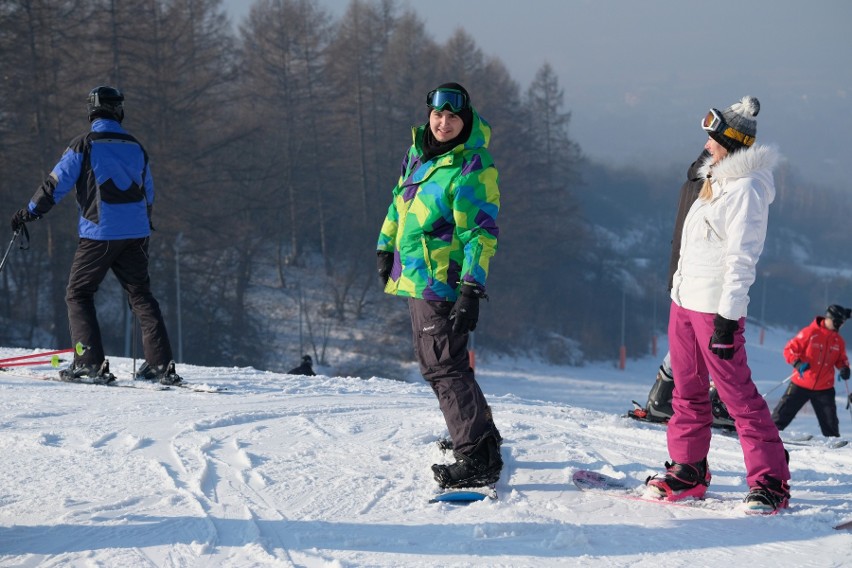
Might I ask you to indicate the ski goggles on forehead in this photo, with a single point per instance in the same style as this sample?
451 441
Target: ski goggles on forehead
440 99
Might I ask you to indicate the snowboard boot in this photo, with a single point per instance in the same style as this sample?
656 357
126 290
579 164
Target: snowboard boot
721 418
659 407
680 481
87 373
163 374
768 497
480 467
446 444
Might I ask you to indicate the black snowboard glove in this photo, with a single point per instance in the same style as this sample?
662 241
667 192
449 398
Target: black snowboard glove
384 264
21 217
844 373
722 341
465 312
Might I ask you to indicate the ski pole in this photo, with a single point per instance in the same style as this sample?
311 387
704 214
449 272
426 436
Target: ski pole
79 349
133 345
9 248
779 384
53 362
848 398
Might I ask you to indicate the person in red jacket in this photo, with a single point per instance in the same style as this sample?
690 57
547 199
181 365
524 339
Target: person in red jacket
815 352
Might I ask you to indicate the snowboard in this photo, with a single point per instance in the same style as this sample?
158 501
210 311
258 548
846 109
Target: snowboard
466 496
463 495
594 482
641 415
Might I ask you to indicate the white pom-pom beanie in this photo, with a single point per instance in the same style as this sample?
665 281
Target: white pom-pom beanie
740 128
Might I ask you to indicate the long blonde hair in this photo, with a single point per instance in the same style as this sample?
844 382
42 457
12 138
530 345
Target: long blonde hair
706 193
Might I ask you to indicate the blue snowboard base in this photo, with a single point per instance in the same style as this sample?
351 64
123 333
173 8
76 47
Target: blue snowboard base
465 496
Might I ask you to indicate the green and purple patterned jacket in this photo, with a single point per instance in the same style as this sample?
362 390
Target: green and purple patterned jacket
442 223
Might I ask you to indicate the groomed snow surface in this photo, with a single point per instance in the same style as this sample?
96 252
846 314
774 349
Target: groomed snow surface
334 471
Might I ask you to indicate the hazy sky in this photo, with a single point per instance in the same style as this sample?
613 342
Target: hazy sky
639 75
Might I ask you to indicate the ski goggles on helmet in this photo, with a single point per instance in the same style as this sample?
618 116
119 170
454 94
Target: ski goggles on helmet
440 99
713 123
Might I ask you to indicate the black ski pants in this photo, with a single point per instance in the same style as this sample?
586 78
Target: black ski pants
128 260
822 401
445 364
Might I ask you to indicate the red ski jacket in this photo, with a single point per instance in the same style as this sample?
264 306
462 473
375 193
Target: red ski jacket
823 349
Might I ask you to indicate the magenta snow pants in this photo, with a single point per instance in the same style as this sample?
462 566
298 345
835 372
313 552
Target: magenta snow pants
689 429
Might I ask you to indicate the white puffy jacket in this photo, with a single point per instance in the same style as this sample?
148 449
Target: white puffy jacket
723 237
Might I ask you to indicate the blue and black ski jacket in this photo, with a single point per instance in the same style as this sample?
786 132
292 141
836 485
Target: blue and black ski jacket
115 191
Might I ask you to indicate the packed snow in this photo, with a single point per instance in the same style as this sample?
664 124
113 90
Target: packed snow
284 470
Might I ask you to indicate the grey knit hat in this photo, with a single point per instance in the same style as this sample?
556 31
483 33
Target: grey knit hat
740 127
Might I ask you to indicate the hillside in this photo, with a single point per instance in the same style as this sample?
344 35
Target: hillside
334 471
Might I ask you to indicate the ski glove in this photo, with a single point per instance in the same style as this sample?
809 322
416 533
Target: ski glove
384 264
801 366
844 373
722 341
465 312
21 217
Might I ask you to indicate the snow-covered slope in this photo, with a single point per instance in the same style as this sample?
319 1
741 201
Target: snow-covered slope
334 471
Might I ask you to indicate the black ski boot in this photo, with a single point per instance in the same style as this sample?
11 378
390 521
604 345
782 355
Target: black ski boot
163 374
481 467
87 373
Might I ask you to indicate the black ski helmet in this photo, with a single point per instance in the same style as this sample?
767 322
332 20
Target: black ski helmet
106 102
838 314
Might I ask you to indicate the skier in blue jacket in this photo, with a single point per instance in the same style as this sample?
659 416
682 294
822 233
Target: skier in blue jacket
109 170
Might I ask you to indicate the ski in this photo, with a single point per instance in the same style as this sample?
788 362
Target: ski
203 388
794 439
127 384
843 526
826 444
79 349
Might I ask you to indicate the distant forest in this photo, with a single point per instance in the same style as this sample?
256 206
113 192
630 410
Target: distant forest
277 143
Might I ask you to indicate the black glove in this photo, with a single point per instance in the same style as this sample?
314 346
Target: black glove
21 217
465 312
384 264
844 373
722 342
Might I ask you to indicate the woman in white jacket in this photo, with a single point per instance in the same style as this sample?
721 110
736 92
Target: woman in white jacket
723 236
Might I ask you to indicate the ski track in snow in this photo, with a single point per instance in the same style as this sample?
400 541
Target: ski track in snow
334 472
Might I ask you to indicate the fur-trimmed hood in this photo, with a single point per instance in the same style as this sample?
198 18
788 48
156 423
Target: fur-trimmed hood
756 162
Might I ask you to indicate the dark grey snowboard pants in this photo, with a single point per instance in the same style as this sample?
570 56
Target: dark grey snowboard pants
822 401
128 259
445 364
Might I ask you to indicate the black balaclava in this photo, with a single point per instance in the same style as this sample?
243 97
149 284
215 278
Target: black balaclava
431 146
